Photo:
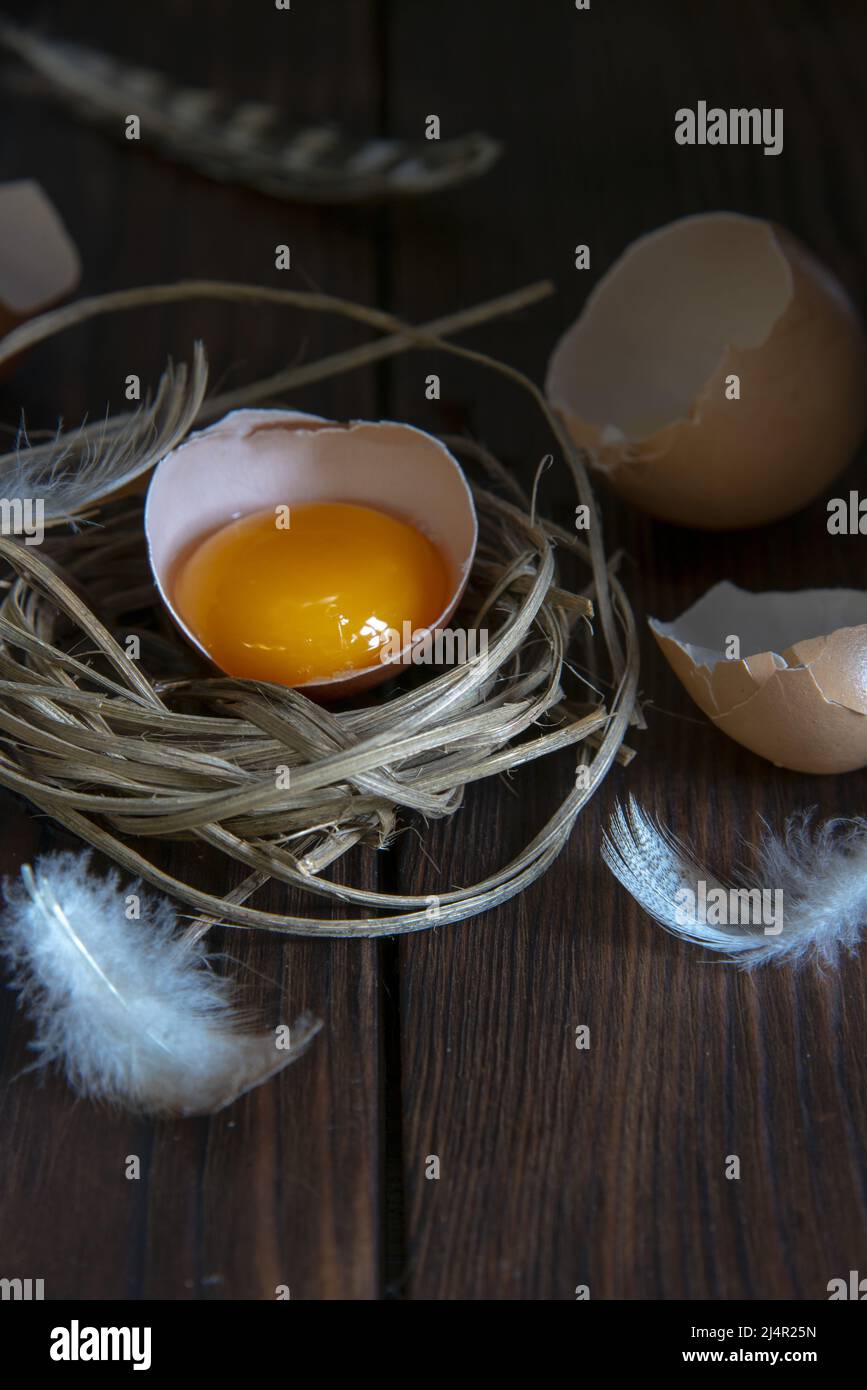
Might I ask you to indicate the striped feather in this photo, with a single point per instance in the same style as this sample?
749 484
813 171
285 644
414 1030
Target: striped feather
247 142
819 873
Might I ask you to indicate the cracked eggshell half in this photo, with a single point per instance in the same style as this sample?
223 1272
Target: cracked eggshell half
798 693
39 264
640 379
256 459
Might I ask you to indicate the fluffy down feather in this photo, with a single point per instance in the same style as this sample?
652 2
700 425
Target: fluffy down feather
129 1009
821 872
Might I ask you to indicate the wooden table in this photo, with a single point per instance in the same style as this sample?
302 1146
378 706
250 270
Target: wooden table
558 1167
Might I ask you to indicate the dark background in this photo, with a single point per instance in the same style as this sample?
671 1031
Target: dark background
559 1167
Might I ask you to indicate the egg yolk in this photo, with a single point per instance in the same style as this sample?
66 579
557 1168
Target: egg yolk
311 599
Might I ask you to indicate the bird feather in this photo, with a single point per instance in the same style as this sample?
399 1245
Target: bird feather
247 142
78 468
131 1010
820 872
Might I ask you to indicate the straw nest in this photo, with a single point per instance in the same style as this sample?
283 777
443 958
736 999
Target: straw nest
125 742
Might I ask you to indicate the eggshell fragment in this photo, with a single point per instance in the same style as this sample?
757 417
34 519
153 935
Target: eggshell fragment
39 264
641 378
799 698
256 459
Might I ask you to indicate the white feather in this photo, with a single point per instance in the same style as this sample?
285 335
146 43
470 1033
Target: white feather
130 1009
79 468
821 874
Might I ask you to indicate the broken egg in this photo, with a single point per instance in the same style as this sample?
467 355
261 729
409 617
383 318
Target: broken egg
39 264
302 551
716 373
785 674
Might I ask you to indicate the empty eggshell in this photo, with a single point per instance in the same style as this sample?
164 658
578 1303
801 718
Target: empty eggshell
798 693
39 264
256 459
643 379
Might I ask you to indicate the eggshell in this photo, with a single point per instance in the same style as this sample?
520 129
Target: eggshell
640 378
39 264
799 698
253 459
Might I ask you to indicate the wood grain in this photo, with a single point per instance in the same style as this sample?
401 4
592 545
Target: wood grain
282 1189
606 1167
559 1166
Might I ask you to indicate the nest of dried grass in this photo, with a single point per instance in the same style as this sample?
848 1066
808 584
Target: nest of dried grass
122 751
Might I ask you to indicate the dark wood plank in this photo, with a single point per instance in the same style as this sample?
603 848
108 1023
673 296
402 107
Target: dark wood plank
607 1167
559 1167
283 1188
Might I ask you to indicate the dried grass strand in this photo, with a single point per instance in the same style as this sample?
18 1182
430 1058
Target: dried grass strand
72 726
